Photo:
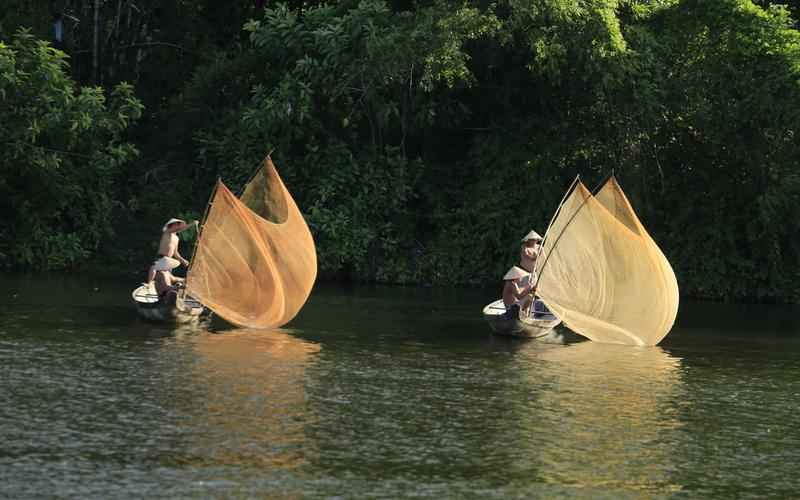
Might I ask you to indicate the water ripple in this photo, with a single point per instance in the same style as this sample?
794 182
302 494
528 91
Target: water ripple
97 407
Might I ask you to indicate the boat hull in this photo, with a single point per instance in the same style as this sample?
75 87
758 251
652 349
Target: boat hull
541 327
179 310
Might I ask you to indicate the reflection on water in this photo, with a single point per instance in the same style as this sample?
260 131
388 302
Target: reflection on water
384 393
613 407
248 397
586 417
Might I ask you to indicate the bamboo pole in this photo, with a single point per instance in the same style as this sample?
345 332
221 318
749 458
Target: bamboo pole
200 233
95 41
254 174
569 191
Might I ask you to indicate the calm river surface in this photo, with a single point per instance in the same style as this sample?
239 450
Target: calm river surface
386 393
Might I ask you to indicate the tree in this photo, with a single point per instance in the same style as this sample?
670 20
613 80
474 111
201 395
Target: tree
62 150
347 95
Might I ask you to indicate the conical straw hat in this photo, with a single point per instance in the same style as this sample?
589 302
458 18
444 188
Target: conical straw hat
515 273
171 221
533 235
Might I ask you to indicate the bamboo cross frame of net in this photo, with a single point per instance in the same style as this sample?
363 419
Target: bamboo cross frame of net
608 281
256 262
255 171
556 214
550 224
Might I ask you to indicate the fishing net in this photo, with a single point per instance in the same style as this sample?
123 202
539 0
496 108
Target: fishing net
255 262
602 274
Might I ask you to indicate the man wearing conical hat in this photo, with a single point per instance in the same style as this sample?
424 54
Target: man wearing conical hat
166 284
168 246
520 282
530 251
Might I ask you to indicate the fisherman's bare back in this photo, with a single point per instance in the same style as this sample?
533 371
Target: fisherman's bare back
168 246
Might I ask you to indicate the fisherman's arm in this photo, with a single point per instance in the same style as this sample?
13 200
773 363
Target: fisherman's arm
180 258
523 291
520 291
194 224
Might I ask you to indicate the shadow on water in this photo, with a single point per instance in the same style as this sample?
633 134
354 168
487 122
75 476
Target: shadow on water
430 314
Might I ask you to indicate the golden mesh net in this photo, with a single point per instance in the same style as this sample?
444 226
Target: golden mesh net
602 273
255 262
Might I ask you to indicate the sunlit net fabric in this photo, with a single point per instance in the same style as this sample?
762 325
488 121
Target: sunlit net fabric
255 263
602 274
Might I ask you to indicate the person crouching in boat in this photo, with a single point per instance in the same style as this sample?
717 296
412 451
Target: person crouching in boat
166 283
168 246
517 289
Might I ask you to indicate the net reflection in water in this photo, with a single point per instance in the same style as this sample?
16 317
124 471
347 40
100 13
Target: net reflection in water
602 413
249 404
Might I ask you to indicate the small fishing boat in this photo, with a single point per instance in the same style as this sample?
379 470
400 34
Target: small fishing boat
254 263
540 325
600 273
180 310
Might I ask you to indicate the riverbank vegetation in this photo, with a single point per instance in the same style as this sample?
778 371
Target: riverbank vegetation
421 140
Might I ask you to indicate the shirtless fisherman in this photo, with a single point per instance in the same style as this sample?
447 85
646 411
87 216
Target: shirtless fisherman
520 282
168 246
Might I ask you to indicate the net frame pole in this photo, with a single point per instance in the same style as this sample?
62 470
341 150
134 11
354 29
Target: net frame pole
558 209
558 238
256 170
200 232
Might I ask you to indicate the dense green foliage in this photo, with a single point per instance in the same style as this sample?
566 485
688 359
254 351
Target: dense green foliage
62 148
346 99
422 140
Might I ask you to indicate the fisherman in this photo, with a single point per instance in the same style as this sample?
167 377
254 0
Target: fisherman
168 246
517 288
531 246
520 282
166 284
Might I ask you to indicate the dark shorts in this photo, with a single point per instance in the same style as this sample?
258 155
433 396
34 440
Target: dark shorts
512 312
169 297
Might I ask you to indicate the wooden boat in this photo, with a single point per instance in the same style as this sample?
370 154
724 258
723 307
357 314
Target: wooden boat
601 273
179 310
540 325
254 263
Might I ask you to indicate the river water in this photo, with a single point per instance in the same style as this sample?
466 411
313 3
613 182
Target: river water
386 393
